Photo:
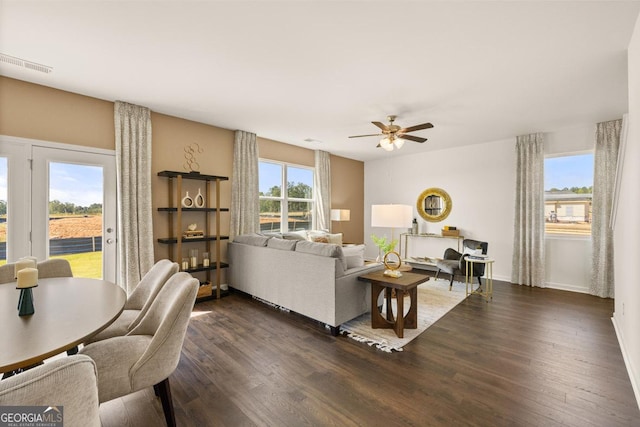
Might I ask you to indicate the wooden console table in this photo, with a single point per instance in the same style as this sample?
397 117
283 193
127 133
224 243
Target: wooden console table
407 283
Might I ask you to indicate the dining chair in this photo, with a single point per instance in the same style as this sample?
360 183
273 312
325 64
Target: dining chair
454 262
7 273
150 352
139 301
54 267
69 383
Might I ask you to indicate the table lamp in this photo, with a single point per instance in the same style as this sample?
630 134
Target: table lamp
392 216
340 215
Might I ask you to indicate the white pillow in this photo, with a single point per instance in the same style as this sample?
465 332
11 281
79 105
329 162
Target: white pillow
336 239
354 255
471 251
323 237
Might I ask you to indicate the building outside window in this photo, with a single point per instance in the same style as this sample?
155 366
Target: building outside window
286 197
568 194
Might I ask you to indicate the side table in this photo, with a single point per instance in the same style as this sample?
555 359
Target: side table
488 292
407 283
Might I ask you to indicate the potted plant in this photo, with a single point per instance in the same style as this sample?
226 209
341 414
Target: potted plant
383 245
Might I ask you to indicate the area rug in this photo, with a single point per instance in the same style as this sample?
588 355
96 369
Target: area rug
434 301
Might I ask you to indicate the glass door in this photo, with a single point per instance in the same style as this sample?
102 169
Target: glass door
74 210
15 185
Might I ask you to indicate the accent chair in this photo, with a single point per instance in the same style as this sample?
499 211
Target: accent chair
454 264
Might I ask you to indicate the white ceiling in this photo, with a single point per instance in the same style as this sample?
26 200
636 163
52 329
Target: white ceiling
294 70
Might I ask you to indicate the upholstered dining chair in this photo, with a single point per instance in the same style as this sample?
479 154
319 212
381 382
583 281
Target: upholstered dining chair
68 383
150 352
7 273
54 267
140 300
454 263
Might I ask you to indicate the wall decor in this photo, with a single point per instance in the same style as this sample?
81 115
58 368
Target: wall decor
434 204
190 151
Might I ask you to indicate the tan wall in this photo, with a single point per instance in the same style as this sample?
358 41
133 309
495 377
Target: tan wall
274 150
38 112
347 192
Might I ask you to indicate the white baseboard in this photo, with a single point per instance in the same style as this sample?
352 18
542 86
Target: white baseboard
567 287
627 362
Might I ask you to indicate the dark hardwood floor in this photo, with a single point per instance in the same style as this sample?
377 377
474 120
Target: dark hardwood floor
532 357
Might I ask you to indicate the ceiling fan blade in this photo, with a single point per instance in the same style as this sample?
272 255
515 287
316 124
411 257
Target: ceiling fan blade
411 138
416 127
360 136
381 125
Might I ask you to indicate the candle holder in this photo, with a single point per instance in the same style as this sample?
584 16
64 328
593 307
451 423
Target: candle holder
25 302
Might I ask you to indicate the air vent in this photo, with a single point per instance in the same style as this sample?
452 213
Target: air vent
8 59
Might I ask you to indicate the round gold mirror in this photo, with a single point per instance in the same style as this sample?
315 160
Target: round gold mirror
434 204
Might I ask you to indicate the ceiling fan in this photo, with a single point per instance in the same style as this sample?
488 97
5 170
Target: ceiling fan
394 135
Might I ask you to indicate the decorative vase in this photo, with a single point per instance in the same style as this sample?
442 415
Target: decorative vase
187 201
199 200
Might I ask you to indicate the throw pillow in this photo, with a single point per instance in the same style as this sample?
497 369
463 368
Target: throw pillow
354 255
295 235
252 239
333 251
317 236
336 239
282 244
471 251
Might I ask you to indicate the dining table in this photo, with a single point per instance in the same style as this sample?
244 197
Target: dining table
68 311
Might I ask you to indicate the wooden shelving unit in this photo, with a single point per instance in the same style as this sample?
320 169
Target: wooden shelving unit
212 237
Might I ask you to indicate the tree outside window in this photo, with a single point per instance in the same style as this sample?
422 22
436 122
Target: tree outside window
286 197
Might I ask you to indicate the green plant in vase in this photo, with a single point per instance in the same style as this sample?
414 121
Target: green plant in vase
383 245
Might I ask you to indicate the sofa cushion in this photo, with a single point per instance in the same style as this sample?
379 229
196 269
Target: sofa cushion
282 244
321 249
295 235
252 239
354 255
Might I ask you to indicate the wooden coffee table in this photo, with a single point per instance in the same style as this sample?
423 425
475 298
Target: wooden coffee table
408 283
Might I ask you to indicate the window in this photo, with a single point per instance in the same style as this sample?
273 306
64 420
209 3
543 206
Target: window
286 197
568 183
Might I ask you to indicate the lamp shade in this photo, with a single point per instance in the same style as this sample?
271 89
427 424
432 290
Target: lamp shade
340 215
391 216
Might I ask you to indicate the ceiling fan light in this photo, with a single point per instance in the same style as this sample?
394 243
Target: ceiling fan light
386 144
399 142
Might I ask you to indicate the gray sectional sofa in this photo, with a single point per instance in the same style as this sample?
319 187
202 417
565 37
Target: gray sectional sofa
317 280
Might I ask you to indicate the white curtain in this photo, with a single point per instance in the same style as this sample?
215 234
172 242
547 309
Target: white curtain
133 166
245 203
528 239
322 190
605 164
